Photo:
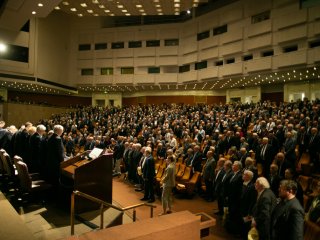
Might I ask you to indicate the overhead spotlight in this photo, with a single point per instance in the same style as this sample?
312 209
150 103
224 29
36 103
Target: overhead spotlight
3 47
188 11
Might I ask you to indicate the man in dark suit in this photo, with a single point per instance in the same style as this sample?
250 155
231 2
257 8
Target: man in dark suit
313 147
55 155
234 220
148 174
289 147
220 172
247 201
288 216
264 156
34 146
274 179
196 159
225 182
208 175
263 208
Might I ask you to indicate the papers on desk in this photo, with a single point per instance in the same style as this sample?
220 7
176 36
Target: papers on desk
96 152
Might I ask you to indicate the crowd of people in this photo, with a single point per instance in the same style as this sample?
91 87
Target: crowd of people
246 153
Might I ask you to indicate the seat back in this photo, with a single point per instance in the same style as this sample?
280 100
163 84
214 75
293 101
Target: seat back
23 175
177 168
181 171
186 175
160 172
195 178
7 164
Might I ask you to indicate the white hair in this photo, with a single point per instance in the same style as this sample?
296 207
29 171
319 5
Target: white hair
263 182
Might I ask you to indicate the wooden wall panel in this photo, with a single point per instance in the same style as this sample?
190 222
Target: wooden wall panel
55 100
273 97
130 101
216 99
157 100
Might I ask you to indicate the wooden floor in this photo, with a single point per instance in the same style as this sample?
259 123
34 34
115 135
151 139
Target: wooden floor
49 222
124 195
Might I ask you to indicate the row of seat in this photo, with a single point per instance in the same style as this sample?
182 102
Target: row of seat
16 177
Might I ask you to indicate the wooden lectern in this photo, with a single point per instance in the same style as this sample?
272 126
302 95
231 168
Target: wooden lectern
93 177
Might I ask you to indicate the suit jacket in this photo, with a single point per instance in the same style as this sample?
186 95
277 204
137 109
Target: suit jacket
196 161
218 181
169 176
262 213
289 148
208 170
148 169
248 199
55 155
34 147
287 220
234 191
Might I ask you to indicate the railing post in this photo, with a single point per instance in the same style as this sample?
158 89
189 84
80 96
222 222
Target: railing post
134 215
151 212
72 213
101 216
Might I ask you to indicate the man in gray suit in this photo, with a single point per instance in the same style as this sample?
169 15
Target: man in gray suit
263 208
168 183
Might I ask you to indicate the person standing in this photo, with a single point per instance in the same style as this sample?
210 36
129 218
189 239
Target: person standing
263 208
55 155
288 216
168 183
148 174
208 175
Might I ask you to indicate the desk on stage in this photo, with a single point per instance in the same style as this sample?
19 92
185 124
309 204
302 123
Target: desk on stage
93 177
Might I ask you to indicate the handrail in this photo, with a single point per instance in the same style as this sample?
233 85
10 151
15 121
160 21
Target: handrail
102 205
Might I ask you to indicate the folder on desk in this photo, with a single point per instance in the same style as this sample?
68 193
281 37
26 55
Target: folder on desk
96 152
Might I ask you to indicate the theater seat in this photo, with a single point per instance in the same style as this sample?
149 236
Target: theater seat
180 172
27 185
186 175
189 186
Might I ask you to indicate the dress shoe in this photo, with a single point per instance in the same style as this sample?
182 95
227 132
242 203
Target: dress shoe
151 201
161 214
169 211
138 190
144 199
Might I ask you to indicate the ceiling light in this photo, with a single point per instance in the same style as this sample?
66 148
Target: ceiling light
40 5
83 5
127 14
176 13
120 6
160 13
124 10
158 6
3 47
188 11
143 14
95 1
107 11
111 14
176 1
34 12
138 6
177 5
65 3
57 8
90 11
96 14
141 10
101 6
73 9
159 10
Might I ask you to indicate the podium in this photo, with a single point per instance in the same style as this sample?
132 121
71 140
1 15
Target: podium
93 177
